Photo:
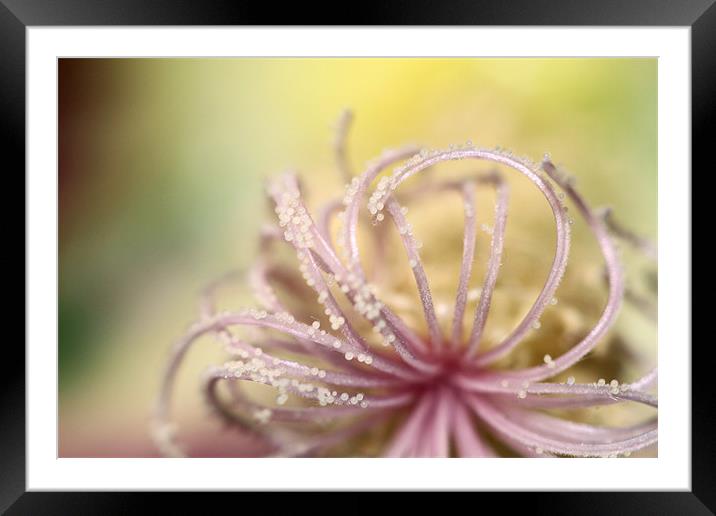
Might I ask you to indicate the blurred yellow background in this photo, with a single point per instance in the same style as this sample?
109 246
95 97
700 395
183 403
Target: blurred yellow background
162 169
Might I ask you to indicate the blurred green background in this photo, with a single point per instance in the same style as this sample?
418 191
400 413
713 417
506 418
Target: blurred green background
162 168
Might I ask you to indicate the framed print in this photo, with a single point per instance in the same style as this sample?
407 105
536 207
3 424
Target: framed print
370 255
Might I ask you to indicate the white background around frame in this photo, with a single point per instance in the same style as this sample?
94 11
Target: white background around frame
671 470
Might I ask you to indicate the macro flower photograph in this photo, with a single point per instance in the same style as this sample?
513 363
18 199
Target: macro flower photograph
358 257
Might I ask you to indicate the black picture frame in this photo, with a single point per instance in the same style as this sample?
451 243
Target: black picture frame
17 15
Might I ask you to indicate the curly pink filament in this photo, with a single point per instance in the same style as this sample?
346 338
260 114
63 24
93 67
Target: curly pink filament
616 289
570 430
416 265
587 392
496 420
468 256
560 259
493 266
409 342
289 187
265 294
377 402
353 207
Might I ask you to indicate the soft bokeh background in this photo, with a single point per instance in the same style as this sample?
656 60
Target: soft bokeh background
162 169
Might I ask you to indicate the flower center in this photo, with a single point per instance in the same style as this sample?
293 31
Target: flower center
449 362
